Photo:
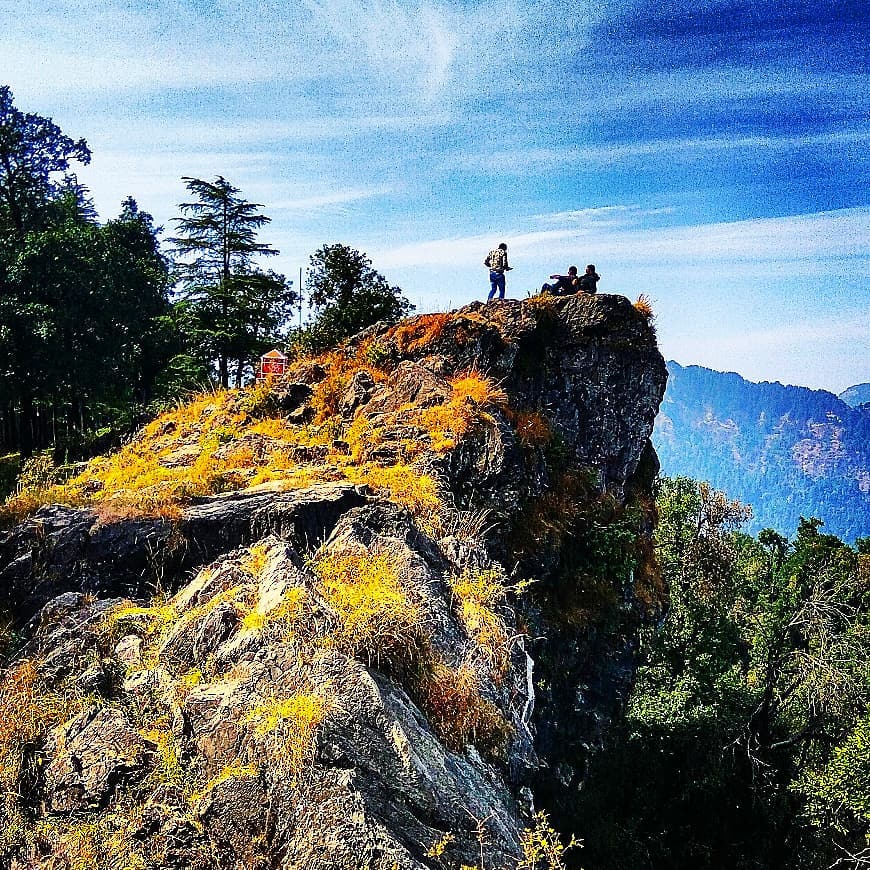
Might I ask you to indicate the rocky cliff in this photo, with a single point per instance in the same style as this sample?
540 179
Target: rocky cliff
376 614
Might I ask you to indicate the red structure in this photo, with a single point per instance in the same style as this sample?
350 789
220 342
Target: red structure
272 364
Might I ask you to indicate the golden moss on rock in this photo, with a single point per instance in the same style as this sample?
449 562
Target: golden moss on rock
367 686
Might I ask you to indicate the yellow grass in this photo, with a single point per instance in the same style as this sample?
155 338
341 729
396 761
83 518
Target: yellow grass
417 491
232 439
477 594
376 616
287 613
28 710
644 306
419 332
288 726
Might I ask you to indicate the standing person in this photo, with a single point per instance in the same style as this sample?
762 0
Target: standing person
589 281
497 261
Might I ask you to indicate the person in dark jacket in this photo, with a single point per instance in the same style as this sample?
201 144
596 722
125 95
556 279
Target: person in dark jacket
563 284
589 281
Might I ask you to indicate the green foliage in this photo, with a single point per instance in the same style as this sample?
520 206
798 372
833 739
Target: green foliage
597 544
80 301
838 792
234 310
32 151
347 295
745 741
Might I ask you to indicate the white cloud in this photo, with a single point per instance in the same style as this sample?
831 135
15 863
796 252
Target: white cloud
136 134
333 198
604 216
841 233
355 52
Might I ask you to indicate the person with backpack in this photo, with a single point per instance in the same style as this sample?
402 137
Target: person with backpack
497 261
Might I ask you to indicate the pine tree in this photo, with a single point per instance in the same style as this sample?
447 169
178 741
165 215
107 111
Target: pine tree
234 306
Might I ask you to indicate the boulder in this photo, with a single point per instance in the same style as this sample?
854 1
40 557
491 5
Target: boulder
90 757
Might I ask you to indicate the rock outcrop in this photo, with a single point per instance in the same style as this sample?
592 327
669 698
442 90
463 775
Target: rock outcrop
396 659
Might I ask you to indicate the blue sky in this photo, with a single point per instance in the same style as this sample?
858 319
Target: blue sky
711 155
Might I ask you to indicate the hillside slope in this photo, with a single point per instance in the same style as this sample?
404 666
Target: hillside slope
858 394
374 615
787 451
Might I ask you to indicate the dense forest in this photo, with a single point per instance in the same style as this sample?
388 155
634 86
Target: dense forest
104 323
746 742
786 451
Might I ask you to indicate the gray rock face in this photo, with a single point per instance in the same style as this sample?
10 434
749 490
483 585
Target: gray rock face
331 683
590 363
62 548
91 756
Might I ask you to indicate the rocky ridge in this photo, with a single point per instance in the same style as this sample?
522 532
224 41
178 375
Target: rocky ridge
374 615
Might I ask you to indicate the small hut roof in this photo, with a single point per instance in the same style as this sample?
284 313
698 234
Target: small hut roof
274 354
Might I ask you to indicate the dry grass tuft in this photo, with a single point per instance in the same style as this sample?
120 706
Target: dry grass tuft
477 388
644 306
284 617
287 727
532 427
541 308
415 490
459 714
256 560
376 616
478 595
103 842
340 365
419 332
28 711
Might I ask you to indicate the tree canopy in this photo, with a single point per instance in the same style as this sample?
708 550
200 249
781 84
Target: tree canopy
79 301
233 310
33 150
347 295
745 741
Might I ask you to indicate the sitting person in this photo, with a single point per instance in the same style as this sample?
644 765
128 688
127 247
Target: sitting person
588 283
563 284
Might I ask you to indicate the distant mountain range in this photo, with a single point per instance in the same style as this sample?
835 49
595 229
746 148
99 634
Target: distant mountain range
787 451
857 395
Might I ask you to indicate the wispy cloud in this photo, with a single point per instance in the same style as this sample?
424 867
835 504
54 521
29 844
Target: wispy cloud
331 199
841 233
413 42
251 133
524 161
604 216
426 51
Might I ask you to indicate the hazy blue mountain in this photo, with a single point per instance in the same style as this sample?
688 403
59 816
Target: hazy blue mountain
787 451
857 395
